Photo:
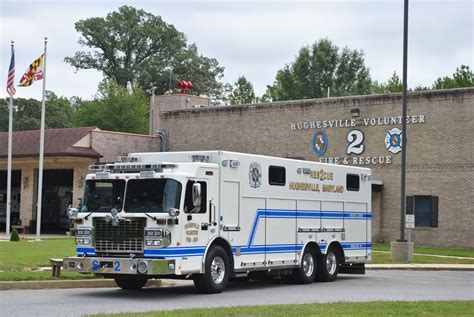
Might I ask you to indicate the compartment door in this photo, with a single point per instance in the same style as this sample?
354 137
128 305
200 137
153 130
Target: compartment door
280 242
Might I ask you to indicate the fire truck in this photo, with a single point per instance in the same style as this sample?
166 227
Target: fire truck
214 215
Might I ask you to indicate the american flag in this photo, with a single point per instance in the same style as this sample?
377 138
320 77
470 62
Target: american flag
11 75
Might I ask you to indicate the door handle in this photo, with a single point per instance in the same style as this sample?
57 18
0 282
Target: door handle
214 212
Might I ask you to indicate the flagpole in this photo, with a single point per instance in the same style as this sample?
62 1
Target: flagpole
9 168
41 155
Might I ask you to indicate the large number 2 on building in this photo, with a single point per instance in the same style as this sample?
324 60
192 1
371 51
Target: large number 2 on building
356 140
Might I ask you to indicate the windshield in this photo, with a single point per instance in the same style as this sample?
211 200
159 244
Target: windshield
103 195
152 195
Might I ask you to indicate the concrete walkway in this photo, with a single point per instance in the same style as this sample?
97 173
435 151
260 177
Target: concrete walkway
434 255
422 267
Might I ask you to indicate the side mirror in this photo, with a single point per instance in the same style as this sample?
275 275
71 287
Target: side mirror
173 212
72 213
197 196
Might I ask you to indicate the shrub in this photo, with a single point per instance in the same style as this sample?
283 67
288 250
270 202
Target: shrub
14 236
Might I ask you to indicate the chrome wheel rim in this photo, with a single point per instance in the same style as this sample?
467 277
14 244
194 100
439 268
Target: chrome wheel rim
217 270
308 264
331 263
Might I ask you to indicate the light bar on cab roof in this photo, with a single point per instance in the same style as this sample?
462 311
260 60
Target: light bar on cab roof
130 167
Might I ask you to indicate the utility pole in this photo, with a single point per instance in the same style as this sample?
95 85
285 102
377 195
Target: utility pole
404 124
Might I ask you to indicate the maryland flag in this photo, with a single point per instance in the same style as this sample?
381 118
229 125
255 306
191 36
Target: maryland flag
33 72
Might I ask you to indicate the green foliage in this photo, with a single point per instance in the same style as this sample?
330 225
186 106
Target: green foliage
115 109
135 46
14 236
318 67
393 84
27 113
463 77
242 92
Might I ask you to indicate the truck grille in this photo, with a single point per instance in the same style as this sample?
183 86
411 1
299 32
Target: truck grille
126 237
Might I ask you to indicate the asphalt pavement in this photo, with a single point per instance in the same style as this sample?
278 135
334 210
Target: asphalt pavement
374 286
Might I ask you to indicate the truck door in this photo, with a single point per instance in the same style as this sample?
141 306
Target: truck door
201 224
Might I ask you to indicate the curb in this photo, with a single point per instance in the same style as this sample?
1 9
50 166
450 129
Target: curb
422 267
93 283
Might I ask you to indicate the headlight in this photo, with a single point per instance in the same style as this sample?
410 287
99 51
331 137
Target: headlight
84 236
157 237
82 241
84 232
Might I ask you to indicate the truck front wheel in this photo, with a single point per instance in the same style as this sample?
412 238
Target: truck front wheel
131 282
216 274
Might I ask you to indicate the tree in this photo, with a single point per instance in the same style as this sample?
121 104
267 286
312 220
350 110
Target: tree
393 84
115 109
27 113
463 77
242 92
135 46
318 67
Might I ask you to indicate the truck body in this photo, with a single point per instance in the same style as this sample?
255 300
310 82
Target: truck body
214 215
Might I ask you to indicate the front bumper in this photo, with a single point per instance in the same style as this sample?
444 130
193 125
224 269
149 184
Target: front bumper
119 265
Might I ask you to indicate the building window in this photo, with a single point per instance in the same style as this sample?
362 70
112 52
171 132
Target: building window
425 209
277 175
352 182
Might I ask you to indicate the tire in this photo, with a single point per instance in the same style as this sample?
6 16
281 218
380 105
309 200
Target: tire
131 282
306 273
216 272
328 265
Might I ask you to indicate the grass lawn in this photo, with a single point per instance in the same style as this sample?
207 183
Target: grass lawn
383 258
428 250
19 260
425 308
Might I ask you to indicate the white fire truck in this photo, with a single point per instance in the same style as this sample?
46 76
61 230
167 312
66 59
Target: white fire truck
215 215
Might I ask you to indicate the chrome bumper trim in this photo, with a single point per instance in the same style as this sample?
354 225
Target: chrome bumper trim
102 265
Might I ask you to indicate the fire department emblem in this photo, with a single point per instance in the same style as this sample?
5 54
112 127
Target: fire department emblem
255 175
320 143
393 140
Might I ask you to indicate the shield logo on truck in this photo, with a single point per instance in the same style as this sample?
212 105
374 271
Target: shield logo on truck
255 175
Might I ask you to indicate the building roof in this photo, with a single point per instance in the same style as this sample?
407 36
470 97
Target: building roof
57 142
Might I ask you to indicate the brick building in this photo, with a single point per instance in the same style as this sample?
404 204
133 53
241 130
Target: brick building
67 156
361 130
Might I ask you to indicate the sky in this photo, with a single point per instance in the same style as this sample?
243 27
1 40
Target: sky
250 38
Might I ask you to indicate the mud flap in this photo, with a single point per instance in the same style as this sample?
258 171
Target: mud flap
352 268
